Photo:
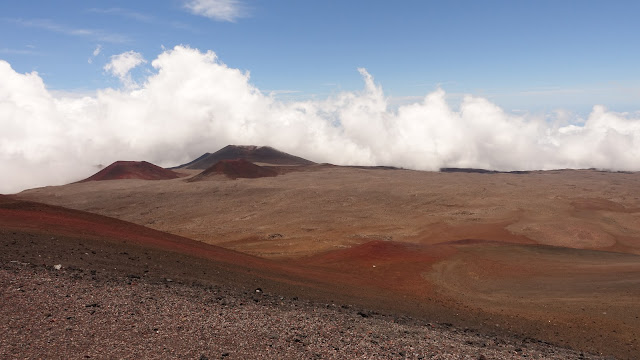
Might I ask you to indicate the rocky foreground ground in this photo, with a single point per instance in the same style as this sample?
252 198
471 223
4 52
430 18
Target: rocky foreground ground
73 312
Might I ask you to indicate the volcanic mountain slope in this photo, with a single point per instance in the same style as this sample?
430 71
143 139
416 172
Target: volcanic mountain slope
256 154
54 220
133 170
85 285
550 254
85 240
103 252
73 237
234 169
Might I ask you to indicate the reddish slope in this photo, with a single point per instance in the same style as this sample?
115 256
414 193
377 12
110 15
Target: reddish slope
398 267
61 228
57 222
46 235
133 170
54 220
234 169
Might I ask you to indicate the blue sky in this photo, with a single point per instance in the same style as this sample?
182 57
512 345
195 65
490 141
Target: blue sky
501 85
522 55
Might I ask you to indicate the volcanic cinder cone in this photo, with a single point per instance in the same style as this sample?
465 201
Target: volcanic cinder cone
133 170
252 153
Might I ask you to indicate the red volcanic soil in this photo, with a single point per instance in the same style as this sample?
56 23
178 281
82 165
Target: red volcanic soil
54 220
393 266
46 235
75 284
259 154
68 235
133 170
385 276
234 169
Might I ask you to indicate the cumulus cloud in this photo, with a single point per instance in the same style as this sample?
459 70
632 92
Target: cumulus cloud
121 65
193 103
221 10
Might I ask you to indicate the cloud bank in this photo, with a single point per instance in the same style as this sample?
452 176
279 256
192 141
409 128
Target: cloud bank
193 103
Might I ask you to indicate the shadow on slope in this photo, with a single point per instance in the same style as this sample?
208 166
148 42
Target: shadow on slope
234 169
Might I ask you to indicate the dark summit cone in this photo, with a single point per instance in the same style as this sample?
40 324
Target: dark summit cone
251 153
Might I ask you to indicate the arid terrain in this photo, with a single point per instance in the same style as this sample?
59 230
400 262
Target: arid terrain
543 256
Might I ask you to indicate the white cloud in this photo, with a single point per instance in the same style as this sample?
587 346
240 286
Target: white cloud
194 103
221 10
121 65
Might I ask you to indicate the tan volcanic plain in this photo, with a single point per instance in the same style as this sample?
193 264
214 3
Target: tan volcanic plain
550 254
328 207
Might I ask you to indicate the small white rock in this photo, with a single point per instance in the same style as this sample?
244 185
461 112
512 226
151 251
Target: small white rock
57 266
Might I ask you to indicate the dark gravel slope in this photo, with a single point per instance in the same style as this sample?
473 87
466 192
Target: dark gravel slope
111 300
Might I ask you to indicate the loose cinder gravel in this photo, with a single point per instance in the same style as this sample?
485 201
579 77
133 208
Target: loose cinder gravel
71 313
